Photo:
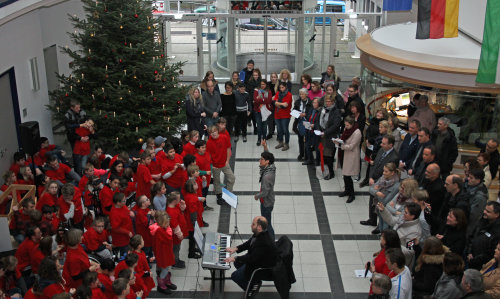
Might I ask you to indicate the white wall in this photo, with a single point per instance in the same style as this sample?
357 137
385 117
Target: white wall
25 37
471 18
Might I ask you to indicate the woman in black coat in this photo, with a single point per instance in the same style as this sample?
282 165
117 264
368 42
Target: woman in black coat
452 233
429 268
194 111
371 133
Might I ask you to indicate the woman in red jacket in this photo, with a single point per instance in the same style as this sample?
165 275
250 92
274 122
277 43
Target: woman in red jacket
388 239
283 102
262 98
77 262
163 250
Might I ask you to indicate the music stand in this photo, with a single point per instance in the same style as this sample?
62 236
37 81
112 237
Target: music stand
232 200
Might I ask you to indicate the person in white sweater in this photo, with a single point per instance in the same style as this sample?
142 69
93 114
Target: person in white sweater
401 282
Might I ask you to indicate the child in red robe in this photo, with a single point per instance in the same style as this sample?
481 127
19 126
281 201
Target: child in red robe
81 150
121 223
189 148
96 239
70 206
142 269
143 176
77 262
128 292
175 210
49 196
91 280
107 193
163 250
107 268
143 218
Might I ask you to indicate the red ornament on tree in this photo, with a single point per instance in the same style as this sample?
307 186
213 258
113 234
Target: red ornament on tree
156 72
149 121
67 94
140 86
125 43
120 60
105 10
136 16
105 116
154 99
161 55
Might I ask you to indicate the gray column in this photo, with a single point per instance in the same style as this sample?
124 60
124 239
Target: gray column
299 48
199 48
168 37
333 43
231 49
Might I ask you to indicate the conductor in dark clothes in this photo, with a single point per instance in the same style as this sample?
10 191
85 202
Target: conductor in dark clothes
261 253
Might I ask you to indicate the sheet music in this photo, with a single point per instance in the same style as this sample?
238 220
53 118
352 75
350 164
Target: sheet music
198 237
307 125
230 198
264 112
295 113
318 132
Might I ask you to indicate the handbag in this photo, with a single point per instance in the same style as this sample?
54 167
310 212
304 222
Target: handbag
300 126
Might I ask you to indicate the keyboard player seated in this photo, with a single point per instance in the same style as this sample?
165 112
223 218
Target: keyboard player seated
261 253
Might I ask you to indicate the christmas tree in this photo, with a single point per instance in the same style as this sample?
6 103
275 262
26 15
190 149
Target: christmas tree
120 74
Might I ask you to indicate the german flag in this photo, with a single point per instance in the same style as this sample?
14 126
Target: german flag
437 19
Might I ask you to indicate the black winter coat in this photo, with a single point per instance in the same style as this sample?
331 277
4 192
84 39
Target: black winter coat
482 246
449 151
427 275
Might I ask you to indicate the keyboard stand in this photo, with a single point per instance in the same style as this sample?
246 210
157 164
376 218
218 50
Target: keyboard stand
217 290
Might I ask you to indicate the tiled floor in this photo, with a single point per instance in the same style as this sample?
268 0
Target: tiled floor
327 250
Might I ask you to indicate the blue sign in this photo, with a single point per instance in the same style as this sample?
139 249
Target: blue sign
211 36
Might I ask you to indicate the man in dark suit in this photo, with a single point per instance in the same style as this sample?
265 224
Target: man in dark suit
409 147
385 155
446 146
428 157
434 185
262 253
424 139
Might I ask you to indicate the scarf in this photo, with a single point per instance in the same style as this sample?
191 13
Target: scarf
347 133
265 170
324 116
281 95
384 183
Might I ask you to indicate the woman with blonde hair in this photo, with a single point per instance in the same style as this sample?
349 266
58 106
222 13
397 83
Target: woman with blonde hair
406 188
194 110
285 77
384 189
